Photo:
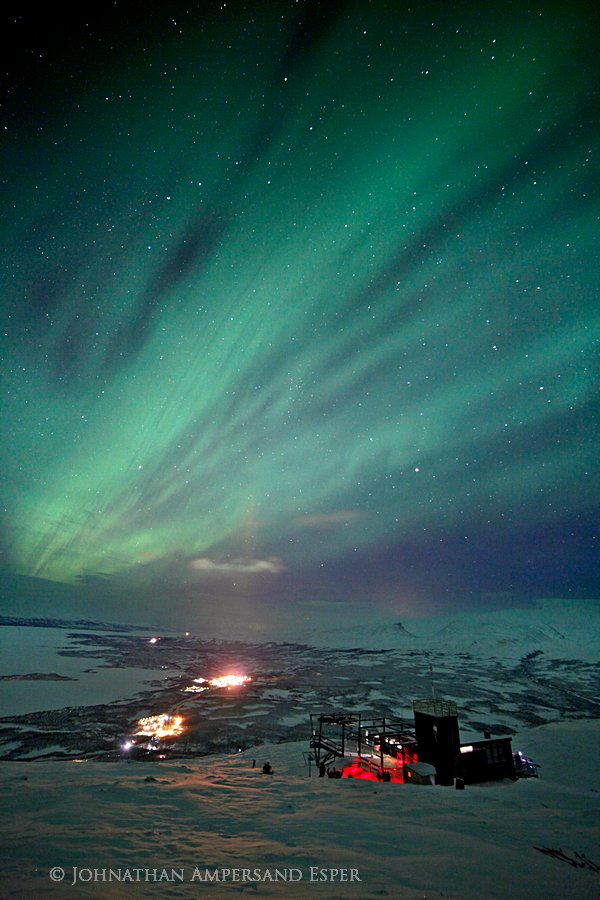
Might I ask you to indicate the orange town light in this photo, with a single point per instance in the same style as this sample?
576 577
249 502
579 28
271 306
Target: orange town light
229 681
160 726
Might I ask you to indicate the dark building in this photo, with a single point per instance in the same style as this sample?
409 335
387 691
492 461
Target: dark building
489 760
386 750
438 738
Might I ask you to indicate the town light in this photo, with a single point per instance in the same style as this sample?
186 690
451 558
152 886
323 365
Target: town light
160 726
229 681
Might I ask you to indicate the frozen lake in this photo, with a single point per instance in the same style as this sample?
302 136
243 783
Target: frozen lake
26 650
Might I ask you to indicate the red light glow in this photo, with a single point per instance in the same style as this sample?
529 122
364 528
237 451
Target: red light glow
393 770
355 770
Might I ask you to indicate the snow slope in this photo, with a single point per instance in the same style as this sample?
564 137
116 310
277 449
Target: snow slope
220 813
169 827
566 628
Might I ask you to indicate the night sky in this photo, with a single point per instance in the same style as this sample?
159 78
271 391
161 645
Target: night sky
300 305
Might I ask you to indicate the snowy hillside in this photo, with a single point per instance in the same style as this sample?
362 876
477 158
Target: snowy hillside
563 627
178 825
214 823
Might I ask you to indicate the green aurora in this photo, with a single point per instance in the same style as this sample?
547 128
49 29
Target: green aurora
287 293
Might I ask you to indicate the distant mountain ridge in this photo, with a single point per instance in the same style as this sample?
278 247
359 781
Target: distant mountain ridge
87 624
564 628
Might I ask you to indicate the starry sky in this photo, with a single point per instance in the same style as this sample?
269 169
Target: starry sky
300 305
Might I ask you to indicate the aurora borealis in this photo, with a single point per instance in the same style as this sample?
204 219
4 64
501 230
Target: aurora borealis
300 302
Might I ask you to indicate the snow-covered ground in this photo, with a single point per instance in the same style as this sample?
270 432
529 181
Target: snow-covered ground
214 825
564 627
194 822
29 650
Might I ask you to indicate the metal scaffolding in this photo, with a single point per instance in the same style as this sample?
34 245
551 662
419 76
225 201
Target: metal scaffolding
380 746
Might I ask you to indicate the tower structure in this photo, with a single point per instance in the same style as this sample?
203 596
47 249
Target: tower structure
438 738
